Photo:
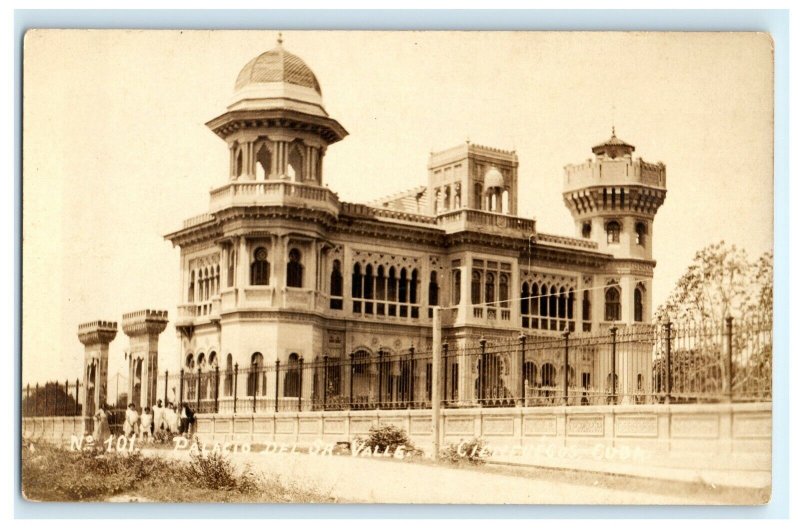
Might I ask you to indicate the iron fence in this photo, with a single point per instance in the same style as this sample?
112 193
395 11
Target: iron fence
639 364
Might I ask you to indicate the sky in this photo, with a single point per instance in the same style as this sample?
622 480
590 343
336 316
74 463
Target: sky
116 153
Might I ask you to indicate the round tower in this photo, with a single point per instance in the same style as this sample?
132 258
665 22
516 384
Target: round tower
276 127
613 199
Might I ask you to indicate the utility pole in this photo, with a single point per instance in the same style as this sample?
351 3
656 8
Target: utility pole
436 364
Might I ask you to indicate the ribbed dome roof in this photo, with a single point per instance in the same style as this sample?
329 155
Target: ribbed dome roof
613 147
278 66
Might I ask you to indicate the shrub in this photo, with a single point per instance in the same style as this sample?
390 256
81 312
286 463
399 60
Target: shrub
215 471
471 452
384 436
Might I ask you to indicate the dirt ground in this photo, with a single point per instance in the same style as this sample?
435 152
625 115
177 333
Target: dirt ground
383 480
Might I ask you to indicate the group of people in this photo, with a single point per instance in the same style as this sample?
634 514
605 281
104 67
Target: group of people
160 423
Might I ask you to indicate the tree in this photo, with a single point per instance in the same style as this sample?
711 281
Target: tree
721 281
49 400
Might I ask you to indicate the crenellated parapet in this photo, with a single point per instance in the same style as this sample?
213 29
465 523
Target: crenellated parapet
146 321
97 332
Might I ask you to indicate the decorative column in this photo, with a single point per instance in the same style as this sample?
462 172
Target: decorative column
242 265
95 337
143 328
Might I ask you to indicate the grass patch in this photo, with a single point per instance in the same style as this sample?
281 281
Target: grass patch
55 474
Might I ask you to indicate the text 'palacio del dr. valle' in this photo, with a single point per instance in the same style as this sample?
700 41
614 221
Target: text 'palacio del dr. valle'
280 269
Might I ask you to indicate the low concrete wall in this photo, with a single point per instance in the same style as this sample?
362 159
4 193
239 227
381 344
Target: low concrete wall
714 431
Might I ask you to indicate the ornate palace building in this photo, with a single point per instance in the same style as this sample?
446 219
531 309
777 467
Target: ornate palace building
280 269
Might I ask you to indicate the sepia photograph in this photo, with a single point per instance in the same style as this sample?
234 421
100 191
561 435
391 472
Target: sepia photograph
397 267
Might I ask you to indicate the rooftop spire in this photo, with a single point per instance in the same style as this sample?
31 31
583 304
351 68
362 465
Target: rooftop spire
280 39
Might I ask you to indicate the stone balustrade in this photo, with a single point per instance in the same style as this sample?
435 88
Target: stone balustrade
274 193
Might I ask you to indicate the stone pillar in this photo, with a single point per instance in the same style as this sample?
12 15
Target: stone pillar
242 265
95 337
143 328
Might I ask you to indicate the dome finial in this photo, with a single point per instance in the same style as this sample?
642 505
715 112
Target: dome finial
280 39
613 131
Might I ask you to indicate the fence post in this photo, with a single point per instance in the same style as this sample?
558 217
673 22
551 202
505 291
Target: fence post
46 386
277 381
166 387
668 331
566 367
481 381
235 384
613 331
413 363
324 382
300 387
66 398
521 400
729 357
352 371
216 389
36 401
28 399
380 377
180 387
444 371
77 392
198 386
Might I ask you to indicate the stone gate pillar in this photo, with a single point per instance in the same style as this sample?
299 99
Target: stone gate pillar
143 328
95 337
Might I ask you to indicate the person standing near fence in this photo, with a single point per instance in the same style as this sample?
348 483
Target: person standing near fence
171 418
101 430
131 425
146 427
158 418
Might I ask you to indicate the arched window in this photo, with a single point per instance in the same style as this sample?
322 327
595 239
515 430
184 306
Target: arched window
291 381
231 267
294 269
489 288
403 287
200 281
456 287
548 375
263 162
259 268
529 374
562 303
612 232
190 294
189 366
239 162
543 306
413 287
571 305
504 290
587 305
586 230
216 280
356 287
361 377
641 231
524 300
380 284
228 387
638 303
476 287
202 376
295 166
368 283
477 196
433 290
337 285
613 305
254 377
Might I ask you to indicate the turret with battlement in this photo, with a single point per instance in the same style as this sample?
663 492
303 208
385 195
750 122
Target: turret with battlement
143 328
95 336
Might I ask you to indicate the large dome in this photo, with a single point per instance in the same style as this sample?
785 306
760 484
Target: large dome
277 79
277 66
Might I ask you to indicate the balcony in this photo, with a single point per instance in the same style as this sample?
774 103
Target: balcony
486 222
274 193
